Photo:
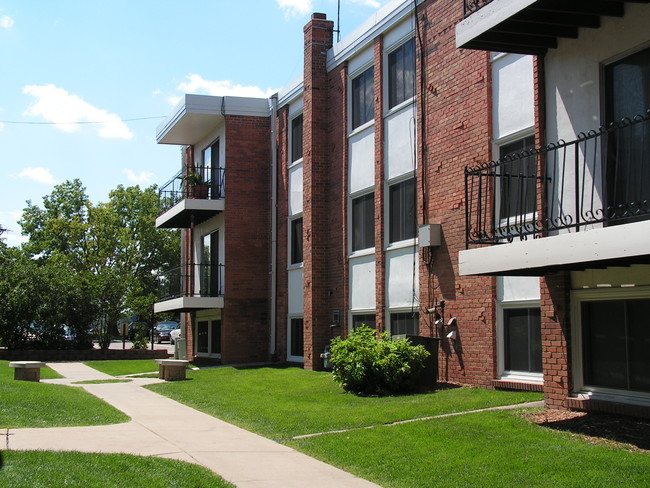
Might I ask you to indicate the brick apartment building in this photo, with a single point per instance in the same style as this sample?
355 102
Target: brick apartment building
345 199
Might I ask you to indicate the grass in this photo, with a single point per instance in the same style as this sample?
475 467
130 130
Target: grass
31 404
126 367
40 469
284 402
486 449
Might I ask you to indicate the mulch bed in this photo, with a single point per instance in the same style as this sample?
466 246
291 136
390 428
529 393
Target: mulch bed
598 428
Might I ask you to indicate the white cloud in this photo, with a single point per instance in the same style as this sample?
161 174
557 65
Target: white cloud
198 85
39 175
6 22
295 8
67 111
369 3
143 177
2 126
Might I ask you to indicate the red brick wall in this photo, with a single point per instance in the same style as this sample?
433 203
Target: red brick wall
456 131
282 304
245 321
316 159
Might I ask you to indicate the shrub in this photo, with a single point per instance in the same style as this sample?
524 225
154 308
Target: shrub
370 365
140 340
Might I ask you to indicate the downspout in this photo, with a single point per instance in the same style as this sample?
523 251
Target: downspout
274 223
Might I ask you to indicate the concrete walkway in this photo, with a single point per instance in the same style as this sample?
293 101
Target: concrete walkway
165 428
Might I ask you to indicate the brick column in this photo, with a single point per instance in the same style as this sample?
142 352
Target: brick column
380 254
318 39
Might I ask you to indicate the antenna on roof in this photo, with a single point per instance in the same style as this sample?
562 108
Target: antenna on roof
338 22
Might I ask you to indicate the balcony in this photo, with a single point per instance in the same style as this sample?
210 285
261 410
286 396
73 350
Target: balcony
183 202
569 205
530 26
184 289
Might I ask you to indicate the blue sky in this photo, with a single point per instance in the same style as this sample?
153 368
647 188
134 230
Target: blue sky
67 63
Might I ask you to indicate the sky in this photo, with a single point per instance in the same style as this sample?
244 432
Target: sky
85 83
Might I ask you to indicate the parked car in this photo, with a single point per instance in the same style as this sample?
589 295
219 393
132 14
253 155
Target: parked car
174 335
162 331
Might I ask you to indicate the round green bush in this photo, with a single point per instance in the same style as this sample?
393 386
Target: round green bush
370 365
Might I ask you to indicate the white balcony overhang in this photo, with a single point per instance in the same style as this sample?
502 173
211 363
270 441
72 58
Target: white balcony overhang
532 26
189 211
188 304
615 245
196 116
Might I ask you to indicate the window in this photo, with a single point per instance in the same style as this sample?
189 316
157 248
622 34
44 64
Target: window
522 340
367 319
616 344
209 266
401 74
404 323
208 337
296 337
363 222
363 95
295 243
518 182
296 138
401 217
627 165
211 173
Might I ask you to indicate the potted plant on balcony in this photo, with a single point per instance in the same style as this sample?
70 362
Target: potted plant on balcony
196 186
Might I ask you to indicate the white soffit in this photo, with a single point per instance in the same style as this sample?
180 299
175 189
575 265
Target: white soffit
610 243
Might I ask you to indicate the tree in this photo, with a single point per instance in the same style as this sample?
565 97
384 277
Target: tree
83 264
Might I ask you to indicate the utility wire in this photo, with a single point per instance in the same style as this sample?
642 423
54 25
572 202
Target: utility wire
81 122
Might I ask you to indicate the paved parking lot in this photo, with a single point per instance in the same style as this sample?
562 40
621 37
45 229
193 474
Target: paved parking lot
117 344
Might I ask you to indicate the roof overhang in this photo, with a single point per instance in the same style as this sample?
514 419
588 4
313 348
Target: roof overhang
188 304
196 116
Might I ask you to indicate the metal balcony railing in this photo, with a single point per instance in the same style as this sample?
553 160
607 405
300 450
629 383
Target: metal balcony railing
471 6
600 179
202 182
197 280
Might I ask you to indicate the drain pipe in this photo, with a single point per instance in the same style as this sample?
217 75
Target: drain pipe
274 222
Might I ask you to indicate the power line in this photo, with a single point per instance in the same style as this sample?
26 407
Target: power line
15 122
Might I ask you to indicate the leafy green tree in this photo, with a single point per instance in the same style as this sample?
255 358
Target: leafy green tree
83 264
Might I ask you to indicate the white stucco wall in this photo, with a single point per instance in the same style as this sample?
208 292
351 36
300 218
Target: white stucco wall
362 282
362 160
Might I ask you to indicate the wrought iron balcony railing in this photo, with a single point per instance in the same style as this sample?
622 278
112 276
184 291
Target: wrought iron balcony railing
471 6
197 280
202 182
600 179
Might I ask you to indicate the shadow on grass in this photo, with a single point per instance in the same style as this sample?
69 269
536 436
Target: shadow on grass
607 428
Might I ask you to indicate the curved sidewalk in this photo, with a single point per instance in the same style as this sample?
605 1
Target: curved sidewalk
165 428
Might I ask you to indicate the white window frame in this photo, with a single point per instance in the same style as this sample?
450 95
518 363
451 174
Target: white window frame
412 241
195 327
353 196
352 313
386 89
502 374
351 77
290 161
392 311
528 218
594 392
290 357
290 221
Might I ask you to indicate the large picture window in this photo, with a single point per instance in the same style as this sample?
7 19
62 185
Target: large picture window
401 74
616 344
522 340
363 95
401 217
367 319
363 222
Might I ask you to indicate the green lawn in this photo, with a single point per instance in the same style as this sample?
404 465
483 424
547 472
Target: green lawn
31 404
284 402
39 469
486 449
121 368
489 449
